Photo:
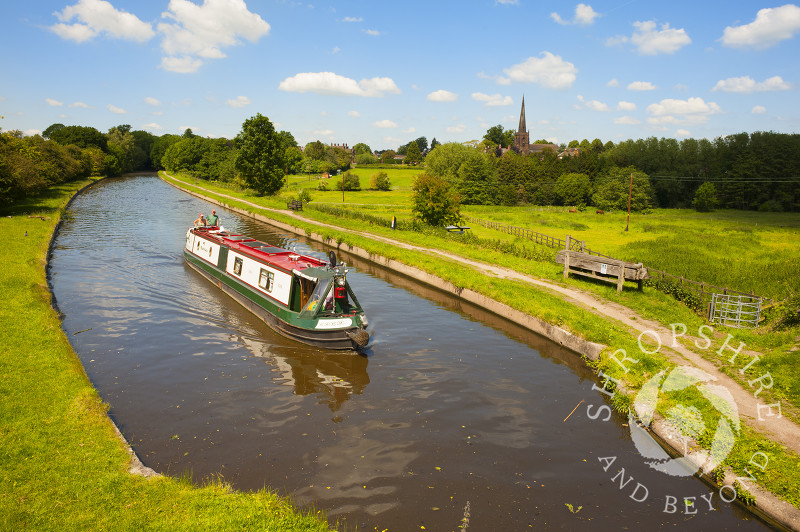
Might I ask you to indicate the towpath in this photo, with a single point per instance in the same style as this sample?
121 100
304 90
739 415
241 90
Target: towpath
777 428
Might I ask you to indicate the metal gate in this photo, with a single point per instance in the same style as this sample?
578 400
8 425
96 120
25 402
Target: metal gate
735 311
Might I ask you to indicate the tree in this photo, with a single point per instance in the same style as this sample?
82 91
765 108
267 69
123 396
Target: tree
573 189
477 184
315 150
50 129
422 143
413 155
705 199
388 156
362 148
349 181
434 202
188 133
499 136
445 160
262 157
287 139
434 143
294 160
613 190
380 181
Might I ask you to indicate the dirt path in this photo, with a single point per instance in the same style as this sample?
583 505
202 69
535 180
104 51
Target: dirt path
776 427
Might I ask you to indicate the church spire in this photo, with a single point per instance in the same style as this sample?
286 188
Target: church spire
522 127
521 139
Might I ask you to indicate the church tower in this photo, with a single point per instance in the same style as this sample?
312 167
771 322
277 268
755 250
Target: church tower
521 138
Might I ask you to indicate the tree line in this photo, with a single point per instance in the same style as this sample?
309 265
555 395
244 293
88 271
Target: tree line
744 171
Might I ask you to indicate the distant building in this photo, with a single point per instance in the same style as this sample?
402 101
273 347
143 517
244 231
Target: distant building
522 141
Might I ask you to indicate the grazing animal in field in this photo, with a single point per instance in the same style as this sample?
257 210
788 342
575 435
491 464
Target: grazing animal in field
573 210
600 212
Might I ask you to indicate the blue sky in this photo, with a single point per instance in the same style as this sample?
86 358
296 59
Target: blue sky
386 73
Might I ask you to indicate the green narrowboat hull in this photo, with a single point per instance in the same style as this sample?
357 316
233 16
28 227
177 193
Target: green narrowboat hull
328 331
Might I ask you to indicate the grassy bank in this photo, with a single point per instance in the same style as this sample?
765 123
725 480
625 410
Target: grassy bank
62 466
781 480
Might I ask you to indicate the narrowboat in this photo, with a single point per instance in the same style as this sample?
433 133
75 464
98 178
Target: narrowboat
301 297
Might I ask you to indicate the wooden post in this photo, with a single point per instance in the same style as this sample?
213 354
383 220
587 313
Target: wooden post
630 193
583 246
566 259
620 276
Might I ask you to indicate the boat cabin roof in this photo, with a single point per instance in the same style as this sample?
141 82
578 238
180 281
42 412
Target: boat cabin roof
275 256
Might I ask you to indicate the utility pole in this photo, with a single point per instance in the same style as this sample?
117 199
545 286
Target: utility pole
630 193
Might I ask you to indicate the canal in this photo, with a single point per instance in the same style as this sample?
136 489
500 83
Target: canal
453 419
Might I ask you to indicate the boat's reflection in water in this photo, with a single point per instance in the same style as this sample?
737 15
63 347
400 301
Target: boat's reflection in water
332 376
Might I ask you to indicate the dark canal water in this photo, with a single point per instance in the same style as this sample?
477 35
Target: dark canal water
453 420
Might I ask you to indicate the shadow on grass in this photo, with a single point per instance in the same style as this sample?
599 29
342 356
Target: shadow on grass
46 203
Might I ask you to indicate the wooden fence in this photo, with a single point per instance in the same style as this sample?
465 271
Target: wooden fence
704 290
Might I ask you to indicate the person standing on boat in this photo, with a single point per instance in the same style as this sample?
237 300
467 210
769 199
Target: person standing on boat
201 221
213 220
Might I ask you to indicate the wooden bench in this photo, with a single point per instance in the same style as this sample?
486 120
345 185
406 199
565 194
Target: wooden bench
295 205
456 228
603 268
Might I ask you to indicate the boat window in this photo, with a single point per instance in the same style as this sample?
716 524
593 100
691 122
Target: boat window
237 266
266 280
317 296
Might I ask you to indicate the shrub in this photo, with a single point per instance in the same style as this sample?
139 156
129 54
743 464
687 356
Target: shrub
304 196
434 202
705 199
380 181
349 181
322 186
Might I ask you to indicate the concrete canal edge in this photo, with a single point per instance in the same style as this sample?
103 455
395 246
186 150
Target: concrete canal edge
767 506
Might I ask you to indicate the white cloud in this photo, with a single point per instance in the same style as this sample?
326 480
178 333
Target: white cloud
771 26
613 83
641 86
53 103
181 65
627 121
98 16
549 71
584 15
508 2
373 33
116 110
330 83
460 128
336 50
353 19
442 96
681 112
151 101
683 132
626 106
201 31
240 101
79 105
384 124
594 105
324 132
747 85
681 87
354 114
651 41
492 100
411 130
323 113
152 126
758 110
